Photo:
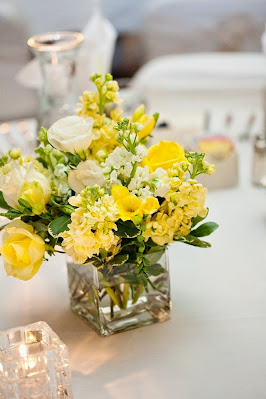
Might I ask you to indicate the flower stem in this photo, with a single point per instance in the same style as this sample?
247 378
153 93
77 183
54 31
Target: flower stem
132 174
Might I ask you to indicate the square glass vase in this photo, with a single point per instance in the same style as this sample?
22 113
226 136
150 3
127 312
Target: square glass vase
116 300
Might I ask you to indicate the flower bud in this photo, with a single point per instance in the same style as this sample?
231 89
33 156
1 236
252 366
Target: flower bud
15 153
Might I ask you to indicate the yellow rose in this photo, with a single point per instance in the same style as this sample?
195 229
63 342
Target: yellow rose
34 194
18 181
164 155
22 250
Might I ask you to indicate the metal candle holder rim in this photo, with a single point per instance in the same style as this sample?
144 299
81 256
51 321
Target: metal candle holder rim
55 41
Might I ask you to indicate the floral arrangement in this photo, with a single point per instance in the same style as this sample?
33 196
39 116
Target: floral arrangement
94 191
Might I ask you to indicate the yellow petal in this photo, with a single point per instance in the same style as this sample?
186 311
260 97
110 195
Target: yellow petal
138 113
119 192
148 127
164 155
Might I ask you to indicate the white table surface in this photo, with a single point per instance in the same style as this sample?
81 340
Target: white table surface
214 347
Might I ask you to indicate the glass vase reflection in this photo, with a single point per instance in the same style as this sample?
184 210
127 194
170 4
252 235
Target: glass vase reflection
34 364
119 300
57 53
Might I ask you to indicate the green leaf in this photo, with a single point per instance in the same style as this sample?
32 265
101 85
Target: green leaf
196 242
199 219
205 229
156 248
155 269
3 203
43 136
126 229
103 253
151 243
156 117
118 260
97 262
133 278
155 256
24 211
11 214
59 225
74 158
24 203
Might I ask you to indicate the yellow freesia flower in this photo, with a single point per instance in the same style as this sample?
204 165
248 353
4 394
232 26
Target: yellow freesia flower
150 205
129 207
22 250
139 112
148 122
119 192
164 155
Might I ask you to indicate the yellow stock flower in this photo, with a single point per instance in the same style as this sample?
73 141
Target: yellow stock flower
164 155
22 250
160 228
116 114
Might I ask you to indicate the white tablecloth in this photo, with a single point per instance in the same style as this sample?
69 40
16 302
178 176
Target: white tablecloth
214 347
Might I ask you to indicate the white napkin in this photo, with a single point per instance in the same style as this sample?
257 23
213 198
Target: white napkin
95 55
203 71
96 52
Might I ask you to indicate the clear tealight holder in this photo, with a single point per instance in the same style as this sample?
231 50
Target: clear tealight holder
34 364
57 52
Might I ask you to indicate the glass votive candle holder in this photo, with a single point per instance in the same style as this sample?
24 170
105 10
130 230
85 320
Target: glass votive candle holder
34 364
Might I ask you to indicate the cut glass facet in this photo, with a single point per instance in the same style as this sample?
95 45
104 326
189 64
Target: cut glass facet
34 364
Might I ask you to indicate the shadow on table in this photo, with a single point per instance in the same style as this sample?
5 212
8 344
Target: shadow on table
120 364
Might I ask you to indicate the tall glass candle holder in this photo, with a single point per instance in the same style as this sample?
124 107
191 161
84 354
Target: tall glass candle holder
34 364
57 53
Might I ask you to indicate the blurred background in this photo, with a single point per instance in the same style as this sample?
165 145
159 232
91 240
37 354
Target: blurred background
146 30
201 63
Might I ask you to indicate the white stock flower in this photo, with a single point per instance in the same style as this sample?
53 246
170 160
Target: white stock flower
138 184
119 160
61 170
141 153
63 189
145 184
72 134
87 173
162 186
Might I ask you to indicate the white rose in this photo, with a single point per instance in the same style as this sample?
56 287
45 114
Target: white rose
88 173
71 134
11 184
